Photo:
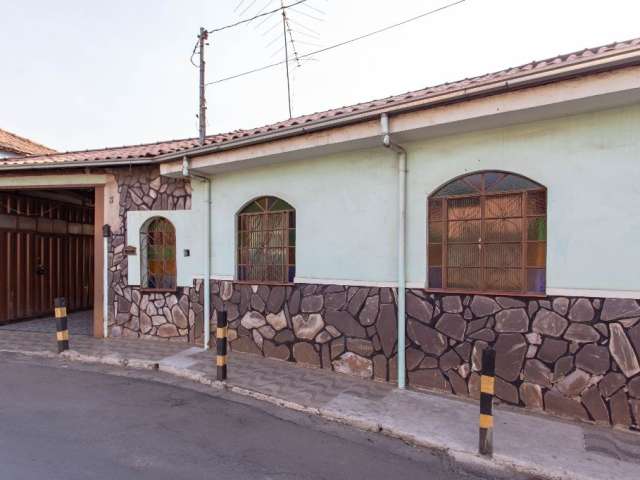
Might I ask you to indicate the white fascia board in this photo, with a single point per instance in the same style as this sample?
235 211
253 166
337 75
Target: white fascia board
568 97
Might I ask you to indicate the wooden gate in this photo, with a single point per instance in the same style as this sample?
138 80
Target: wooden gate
46 251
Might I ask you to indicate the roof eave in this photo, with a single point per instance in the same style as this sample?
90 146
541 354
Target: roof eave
609 61
81 163
613 61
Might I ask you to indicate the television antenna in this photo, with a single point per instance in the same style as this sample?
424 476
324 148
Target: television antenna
283 36
302 8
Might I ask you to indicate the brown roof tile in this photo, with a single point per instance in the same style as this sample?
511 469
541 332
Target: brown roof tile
151 150
23 146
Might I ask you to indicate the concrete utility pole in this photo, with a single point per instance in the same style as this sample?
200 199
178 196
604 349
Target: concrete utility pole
202 116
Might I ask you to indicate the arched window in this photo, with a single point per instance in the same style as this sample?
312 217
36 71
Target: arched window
158 254
488 233
267 241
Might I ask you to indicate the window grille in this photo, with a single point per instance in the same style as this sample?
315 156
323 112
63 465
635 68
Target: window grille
158 254
487 232
267 241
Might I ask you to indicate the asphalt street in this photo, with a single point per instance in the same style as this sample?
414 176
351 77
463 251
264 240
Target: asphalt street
66 421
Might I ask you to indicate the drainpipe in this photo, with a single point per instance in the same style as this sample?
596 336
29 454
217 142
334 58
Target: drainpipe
207 239
402 221
106 235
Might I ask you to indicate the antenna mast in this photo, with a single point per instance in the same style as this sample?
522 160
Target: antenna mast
291 27
286 54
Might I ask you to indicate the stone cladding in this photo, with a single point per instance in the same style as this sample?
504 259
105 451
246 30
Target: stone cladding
172 315
574 357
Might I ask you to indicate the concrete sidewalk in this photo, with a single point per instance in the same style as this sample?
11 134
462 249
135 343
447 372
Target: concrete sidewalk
528 443
79 323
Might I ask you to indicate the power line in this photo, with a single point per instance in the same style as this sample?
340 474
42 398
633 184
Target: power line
265 6
346 42
290 45
246 20
193 52
262 22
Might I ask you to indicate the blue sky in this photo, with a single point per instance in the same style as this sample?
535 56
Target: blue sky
88 74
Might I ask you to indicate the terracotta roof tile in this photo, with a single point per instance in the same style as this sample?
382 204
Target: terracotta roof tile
23 146
150 150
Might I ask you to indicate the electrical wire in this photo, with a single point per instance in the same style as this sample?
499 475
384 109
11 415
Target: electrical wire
331 47
247 20
265 6
193 53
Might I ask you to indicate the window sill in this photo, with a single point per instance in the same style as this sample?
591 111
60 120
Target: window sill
269 284
459 291
158 290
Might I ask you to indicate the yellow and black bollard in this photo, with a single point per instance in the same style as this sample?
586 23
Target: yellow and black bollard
221 346
62 329
487 388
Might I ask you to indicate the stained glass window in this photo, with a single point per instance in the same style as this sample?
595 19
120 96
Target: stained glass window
267 241
158 254
488 232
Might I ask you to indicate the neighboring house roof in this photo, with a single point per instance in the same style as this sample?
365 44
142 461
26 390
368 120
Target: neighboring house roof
10 142
598 59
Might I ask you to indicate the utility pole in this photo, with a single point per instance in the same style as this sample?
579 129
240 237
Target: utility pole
202 116
286 53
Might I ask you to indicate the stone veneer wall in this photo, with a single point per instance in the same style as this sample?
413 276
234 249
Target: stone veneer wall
575 357
135 313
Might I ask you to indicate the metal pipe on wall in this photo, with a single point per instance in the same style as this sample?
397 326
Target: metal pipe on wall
402 221
207 240
207 273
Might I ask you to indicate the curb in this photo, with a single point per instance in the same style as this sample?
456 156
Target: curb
499 466
36 353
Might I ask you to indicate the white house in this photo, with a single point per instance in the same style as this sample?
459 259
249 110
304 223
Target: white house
403 235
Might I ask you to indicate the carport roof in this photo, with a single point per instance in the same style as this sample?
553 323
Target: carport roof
11 142
164 150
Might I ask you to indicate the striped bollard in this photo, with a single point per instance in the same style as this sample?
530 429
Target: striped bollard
221 346
62 330
487 387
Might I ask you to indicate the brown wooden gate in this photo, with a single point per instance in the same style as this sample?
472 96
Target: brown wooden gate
46 251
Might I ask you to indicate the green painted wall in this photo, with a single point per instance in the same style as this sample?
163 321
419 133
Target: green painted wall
590 165
345 213
346 204
189 236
